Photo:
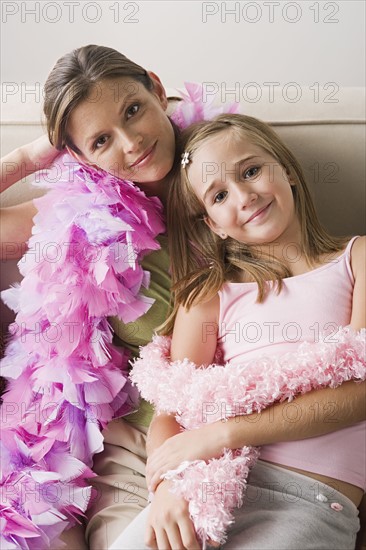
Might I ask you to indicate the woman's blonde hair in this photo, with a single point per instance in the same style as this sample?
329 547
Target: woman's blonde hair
200 260
74 78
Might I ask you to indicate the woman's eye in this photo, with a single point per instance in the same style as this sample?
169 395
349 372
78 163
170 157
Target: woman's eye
102 140
132 110
219 197
251 172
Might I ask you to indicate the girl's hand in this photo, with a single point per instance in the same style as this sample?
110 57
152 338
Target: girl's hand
169 525
199 444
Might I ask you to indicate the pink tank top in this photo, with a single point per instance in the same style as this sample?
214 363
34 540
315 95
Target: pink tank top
315 302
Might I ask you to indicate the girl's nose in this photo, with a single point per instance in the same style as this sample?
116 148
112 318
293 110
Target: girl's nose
245 197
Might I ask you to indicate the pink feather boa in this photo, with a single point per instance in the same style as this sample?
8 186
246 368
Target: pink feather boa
198 395
66 379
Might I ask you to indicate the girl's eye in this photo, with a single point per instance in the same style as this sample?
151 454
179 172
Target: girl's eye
219 197
132 110
102 140
251 172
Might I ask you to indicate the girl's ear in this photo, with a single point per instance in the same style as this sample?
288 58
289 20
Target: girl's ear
289 177
159 90
214 227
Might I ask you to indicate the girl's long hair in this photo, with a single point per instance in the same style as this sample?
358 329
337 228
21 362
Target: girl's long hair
200 260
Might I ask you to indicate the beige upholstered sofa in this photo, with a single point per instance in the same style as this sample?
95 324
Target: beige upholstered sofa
324 127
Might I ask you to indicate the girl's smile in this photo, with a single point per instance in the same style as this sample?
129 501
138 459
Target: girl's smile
259 214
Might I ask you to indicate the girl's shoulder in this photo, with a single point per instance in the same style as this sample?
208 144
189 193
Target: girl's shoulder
195 332
205 311
358 256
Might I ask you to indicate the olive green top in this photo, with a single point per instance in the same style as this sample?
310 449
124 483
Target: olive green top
140 332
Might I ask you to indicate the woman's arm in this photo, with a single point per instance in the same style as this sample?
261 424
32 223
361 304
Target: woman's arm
16 222
26 160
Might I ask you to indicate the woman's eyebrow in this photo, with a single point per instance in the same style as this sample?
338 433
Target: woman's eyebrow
125 100
93 137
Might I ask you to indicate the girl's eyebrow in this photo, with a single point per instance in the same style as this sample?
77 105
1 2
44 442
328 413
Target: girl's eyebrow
220 181
209 188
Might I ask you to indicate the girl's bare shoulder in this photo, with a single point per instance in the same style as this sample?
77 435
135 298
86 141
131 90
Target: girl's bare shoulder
358 256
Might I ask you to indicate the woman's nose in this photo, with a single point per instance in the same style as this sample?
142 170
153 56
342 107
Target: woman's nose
130 141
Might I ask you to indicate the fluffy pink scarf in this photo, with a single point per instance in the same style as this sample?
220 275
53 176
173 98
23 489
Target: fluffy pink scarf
198 395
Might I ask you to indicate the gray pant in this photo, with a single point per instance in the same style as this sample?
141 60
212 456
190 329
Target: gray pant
282 510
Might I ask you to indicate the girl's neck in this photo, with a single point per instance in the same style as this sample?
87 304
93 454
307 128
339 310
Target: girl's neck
288 249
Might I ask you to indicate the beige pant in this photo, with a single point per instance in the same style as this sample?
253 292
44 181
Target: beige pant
121 491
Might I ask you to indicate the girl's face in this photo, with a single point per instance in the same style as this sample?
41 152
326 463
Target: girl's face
246 192
123 128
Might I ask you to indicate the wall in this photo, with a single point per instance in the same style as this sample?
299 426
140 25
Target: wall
317 44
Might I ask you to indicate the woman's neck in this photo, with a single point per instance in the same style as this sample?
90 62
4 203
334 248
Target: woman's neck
156 189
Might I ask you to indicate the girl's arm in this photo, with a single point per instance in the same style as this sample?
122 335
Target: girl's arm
317 412
195 338
358 263
313 414
169 524
16 222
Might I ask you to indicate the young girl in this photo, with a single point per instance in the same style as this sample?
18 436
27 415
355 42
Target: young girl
87 97
255 273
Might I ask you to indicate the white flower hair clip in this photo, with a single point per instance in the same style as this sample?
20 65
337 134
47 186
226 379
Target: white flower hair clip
186 159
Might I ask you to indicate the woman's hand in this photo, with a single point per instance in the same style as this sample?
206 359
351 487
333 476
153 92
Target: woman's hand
199 444
169 525
41 153
25 160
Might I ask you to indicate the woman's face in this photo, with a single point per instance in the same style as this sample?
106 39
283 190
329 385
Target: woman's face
123 128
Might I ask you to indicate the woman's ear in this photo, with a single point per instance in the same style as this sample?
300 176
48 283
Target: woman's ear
159 89
80 158
74 154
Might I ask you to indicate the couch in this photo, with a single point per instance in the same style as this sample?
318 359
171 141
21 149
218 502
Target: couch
325 128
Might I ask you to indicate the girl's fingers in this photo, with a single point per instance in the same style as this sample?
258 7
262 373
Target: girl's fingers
162 540
155 480
188 535
175 538
150 538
